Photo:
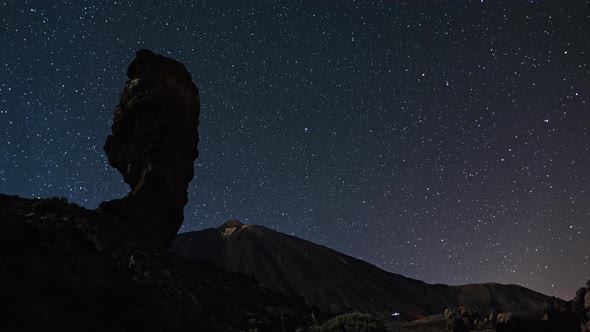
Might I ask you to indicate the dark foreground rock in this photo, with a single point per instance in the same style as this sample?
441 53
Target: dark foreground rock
66 268
581 306
154 144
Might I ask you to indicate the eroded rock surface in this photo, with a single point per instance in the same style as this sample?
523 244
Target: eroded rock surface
154 145
66 268
581 306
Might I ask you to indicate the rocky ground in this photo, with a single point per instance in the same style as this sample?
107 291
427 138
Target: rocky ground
66 268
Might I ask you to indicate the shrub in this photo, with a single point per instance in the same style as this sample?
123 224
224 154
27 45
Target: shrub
351 322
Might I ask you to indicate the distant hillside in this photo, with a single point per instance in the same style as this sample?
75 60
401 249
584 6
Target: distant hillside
339 283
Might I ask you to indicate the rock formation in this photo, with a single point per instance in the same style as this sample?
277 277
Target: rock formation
66 268
154 144
581 306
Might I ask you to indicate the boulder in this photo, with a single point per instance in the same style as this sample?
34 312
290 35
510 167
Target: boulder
504 317
154 145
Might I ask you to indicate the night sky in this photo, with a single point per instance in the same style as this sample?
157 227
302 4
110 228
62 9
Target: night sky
443 140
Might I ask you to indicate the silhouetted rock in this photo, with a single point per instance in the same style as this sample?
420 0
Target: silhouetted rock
154 145
66 268
581 306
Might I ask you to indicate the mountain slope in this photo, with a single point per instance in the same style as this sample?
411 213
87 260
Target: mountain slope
337 282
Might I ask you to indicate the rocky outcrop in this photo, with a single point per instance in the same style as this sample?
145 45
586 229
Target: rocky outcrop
581 306
154 144
66 268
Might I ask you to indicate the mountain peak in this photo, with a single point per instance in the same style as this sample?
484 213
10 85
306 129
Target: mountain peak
229 227
335 282
232 223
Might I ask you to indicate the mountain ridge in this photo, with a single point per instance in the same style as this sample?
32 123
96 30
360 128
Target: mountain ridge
338 282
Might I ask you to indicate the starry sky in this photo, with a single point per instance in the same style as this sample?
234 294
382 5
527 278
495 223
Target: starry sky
443 140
